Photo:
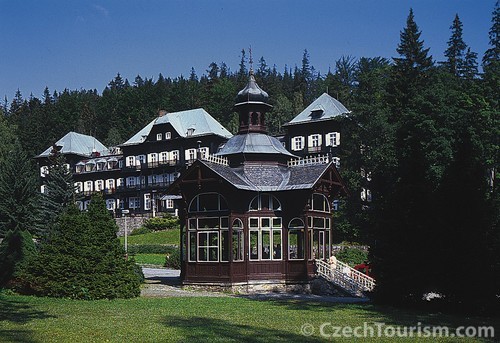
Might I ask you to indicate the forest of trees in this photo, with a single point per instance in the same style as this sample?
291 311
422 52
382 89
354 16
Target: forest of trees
427 132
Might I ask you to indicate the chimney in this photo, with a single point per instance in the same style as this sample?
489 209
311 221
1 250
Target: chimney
161 113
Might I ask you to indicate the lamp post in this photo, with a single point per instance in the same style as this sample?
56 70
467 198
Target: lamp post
124 213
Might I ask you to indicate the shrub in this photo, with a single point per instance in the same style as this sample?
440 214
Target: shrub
83 258
140 231
17 250
173 259
162 223
352 256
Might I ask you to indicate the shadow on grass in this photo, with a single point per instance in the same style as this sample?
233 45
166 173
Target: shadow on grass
388 315
17 312
200 329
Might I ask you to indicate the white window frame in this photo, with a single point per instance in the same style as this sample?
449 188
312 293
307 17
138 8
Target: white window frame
99 185
168 135
333 139
298 143
147 201
314 141
130 161
267 225
190 154
159 136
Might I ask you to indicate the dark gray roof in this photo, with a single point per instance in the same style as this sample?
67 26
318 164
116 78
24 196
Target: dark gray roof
269 178
252 93
253 143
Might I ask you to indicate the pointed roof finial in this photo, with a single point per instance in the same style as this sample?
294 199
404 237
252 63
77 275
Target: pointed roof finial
251 60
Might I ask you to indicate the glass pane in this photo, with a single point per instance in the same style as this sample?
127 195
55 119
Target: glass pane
264 201
319 223
254 205
213 238
192 246
295 223
318 202
208 223
213 254
237 245
277 222
266 243
208 202
224 222
224 243
192 224
266 222
202 254
254 222
327 223
202 239
254 245
276 244
315 244
321 245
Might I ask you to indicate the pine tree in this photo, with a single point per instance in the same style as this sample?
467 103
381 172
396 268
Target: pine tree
19 195
492 55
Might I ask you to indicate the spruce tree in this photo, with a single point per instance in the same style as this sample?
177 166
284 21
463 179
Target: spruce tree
19 194
455 53
59 191
84 258
492 55
17 252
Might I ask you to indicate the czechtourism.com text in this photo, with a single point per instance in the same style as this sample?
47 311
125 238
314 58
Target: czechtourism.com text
368 329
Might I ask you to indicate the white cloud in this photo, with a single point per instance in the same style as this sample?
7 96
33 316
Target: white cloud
103 11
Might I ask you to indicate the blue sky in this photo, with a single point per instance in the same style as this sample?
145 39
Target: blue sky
84 44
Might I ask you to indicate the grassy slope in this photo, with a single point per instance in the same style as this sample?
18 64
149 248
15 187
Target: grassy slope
160 237
150 259
194 320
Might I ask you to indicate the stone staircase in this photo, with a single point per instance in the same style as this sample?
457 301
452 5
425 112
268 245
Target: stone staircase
342 275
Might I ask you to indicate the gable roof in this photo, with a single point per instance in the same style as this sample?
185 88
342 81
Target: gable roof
198 119
78 144
323 108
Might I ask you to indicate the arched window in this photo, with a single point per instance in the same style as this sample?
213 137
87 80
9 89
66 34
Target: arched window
320 203
265 201
238 240
208 202
296 239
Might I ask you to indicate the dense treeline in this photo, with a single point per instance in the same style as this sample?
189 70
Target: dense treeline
425 133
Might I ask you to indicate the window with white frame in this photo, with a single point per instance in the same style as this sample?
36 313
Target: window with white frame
204 152
265 238
320 203
208 239
110 204
169 203
319 230
206 202
147 201
141 159
119 182
238 240
110 184
190 154
134 202
130 161
88 186
44 170
336 161
298 143
99 185
164 156
131 181
174 155
158 136
296 239
79 187
333 139
153 157
265 201
314 141
168 135
43 189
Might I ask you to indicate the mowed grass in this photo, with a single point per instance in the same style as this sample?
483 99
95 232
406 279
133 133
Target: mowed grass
150 259
199 319
169 237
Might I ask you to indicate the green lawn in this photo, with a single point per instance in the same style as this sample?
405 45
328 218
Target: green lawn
31 319
150 259
170 237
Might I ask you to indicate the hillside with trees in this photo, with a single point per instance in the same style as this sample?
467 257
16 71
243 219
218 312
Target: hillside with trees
427 131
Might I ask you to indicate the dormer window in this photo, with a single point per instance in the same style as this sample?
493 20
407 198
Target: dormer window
158 136
317 112
190 131
168 135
